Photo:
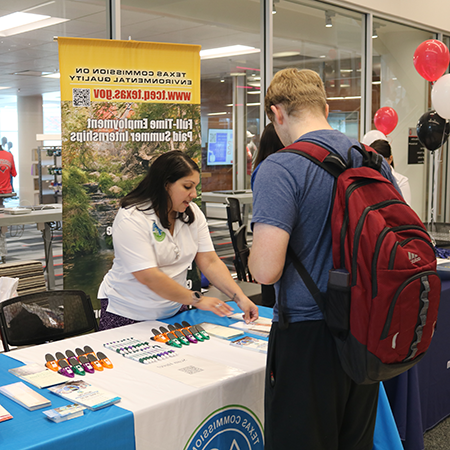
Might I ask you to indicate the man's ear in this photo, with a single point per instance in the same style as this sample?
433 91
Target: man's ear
278 112
327 110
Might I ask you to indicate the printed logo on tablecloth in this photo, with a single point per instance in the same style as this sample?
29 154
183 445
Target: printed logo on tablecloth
233 427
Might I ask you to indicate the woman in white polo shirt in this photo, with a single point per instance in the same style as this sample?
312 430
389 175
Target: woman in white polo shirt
157 233
384 148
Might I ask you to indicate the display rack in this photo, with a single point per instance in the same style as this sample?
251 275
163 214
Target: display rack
49 171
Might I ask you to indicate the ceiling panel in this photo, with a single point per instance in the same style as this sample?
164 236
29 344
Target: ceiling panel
209 23
36 50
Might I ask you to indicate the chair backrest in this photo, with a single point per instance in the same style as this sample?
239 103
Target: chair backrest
238 234
45 316
234 217
242 252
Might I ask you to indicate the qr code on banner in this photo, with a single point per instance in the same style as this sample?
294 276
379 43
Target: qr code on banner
190 370
81 97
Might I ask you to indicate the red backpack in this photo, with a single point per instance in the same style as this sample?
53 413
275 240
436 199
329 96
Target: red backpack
383 293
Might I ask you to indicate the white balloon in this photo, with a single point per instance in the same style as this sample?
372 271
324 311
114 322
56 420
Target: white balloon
372 136
440 96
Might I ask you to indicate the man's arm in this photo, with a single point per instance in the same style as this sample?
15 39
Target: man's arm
268 253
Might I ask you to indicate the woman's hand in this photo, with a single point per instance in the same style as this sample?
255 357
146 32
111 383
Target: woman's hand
219 275
249 309
214 305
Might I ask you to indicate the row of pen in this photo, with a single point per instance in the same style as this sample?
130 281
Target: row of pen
83 361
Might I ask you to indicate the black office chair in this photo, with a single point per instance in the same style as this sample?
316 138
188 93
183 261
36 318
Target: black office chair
242 252
45 316
234 221
234 217
238 234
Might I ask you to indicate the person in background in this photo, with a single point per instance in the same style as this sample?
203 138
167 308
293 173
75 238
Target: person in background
7 170
157 233
269 143
310 402
250 149
383 148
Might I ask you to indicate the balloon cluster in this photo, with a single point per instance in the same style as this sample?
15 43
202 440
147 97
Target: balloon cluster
431 60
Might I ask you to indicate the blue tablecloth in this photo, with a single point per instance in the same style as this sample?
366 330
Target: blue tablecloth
111 427
404 397
386 435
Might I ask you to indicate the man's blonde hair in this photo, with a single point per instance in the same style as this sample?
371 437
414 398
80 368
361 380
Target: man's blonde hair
298 91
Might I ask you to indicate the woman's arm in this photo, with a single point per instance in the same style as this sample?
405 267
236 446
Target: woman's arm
169 289
217 272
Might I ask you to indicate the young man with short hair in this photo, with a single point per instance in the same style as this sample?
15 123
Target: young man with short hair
310 402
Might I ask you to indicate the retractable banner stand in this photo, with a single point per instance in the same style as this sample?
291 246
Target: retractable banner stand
123 103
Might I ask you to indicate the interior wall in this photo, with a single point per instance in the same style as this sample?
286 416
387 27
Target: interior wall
29 112
434 14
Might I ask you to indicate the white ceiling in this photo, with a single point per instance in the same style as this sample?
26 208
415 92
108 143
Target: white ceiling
210 23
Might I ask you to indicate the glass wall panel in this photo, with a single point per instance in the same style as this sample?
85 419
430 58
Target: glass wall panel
9 138
397 84
328 40
229 84
51 104
443 211
27 57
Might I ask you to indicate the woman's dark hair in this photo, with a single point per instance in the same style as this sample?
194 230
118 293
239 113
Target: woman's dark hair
383 148
166 169
269 143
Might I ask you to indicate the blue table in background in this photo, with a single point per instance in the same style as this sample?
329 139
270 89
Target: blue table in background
420 397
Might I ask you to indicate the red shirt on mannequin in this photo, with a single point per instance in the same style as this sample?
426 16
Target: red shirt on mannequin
7 168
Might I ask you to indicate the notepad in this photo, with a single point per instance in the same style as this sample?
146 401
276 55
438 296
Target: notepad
4 415
220 331
252 328
25 396
262 321
38 375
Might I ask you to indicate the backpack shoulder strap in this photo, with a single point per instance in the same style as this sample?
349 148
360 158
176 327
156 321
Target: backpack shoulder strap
370 157
283 322
331 162
334 164
307 279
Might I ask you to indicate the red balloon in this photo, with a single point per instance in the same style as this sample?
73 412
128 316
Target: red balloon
385 120
431 59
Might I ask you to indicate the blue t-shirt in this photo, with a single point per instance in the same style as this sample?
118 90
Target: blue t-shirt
252 179
294 194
